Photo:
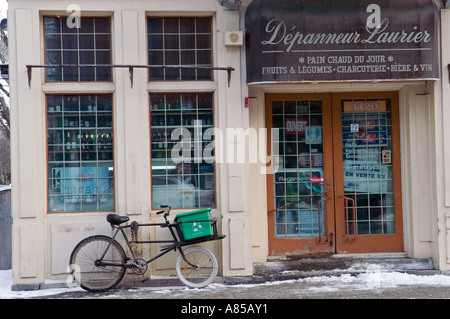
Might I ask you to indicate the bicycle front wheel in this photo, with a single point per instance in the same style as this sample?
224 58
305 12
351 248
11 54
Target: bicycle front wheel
87 269
201 269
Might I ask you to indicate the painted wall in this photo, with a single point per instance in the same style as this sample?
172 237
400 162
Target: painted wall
42 242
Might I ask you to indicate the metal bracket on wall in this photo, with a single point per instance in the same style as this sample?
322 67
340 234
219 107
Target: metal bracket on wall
130 68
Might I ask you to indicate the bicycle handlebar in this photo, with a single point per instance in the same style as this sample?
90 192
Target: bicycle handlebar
167 210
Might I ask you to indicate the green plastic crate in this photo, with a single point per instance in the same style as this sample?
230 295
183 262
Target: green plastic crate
193 224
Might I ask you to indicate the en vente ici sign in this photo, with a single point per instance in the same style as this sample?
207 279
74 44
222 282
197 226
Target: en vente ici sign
341 40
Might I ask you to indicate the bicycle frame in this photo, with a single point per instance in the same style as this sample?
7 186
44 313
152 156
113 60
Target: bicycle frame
174 244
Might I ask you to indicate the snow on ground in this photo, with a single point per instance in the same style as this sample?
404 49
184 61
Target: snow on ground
372 279
6 282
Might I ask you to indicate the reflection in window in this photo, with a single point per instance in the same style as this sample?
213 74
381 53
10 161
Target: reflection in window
180 41
80 153
89 44
182 150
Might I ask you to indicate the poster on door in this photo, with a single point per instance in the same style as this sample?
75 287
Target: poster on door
361 130
364 172
295 126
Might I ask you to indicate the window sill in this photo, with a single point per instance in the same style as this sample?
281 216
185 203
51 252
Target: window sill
181 86
79 87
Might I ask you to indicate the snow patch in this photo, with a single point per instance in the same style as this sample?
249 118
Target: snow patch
374 277
6 282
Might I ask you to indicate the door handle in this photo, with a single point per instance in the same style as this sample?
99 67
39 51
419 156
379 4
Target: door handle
319 206
348 200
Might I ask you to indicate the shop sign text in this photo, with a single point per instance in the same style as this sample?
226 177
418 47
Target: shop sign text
367 41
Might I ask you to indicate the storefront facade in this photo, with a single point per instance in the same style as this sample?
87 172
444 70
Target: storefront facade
96 137
339 185
357 104
349 145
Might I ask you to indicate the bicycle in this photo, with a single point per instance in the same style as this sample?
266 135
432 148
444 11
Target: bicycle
98 263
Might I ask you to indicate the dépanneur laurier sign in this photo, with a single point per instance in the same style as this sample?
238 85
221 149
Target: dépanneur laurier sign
339 40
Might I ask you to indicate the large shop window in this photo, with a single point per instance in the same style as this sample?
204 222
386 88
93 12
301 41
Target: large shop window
182 150
88 44
80 153
180 41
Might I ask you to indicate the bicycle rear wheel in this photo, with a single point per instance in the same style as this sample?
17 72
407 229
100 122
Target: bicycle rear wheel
204 271
88 273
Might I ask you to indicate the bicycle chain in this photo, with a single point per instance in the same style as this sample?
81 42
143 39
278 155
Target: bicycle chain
134 238
134 231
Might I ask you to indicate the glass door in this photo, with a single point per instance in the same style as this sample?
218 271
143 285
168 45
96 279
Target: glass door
367 172
336 184
299 209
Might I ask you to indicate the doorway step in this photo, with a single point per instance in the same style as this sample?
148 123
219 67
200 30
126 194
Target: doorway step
292 267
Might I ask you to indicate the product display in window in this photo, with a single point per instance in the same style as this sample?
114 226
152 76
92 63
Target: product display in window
182 150
80 153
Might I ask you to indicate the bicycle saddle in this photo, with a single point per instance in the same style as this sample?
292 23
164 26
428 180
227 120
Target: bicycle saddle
117 219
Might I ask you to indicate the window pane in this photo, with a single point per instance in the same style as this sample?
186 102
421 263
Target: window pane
172 58
103 41
156 58
87 73
86 25
103 57
80 153
87 57
70 57
69 41
53 41
171 42
70 74
70 45
203 41
155 25
187 42
54 74
182 166
102 25
52 25
53 57
171 25
204 57
86 41
203 25
188 38
155 42
187 25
